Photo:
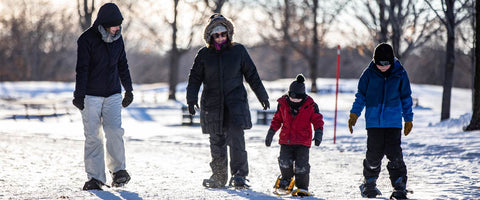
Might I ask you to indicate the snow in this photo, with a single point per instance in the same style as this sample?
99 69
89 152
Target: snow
42 158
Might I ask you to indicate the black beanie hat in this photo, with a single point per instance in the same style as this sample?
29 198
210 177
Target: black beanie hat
383 52
112 23
297 88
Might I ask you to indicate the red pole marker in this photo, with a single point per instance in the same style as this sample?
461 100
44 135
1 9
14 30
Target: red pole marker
336 96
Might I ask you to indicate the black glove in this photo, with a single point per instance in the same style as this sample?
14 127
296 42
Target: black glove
318 137
127 99
265 104
268 139
191 108
79 102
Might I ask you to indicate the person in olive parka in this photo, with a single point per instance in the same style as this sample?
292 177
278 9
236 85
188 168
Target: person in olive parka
221 67
101 67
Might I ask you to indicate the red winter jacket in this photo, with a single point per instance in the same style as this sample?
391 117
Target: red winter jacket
296 130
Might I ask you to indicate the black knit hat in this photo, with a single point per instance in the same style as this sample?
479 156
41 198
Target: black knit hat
383 52
112 23
297 88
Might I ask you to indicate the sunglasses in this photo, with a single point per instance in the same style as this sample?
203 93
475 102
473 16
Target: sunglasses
216 15
383 63
217 35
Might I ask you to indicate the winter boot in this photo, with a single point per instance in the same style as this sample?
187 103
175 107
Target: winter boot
215 181
400 191
120 178
239 182
369 188
93 184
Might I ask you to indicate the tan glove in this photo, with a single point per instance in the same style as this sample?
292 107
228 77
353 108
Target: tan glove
352 121
407 128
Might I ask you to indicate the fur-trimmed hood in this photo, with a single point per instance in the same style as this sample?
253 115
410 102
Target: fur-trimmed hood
215 20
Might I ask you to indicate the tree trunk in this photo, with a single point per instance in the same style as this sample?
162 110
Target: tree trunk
174 57
383 21
85 16
450 62
285 50
475 121
314 56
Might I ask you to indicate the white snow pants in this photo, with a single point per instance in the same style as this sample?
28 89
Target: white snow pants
105 111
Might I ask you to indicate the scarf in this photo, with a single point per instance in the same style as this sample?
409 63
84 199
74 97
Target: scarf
108 37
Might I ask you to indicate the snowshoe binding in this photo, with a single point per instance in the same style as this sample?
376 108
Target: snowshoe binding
301 193
399 194
93 184
369 188
283 186
239 182
120 178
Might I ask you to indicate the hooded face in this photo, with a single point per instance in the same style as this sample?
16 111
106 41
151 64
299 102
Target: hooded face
216 22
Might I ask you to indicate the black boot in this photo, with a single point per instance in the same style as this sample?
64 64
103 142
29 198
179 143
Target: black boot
93 184
215 181
369 188
120 178
400 191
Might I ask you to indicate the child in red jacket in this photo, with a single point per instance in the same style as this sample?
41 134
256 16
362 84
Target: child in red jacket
296 112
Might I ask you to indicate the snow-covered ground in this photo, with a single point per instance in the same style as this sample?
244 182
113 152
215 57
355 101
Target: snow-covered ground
42 158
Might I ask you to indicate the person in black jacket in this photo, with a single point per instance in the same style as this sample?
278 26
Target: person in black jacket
101 66
221 67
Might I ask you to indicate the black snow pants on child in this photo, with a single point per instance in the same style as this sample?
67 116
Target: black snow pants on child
297 155
380 142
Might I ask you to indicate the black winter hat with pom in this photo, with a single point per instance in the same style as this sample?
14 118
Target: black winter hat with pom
383 52
297 88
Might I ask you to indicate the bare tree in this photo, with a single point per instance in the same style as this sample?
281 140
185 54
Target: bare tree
475 121
279 20
308 33
406 24
217 7
450 21
85 13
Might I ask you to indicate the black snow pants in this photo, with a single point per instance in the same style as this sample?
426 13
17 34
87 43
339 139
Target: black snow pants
233 136
380 142
297 155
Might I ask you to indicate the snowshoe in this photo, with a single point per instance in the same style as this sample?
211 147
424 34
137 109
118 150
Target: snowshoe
93 184
120 178
301 193
399 194
239 182
369 192
283 186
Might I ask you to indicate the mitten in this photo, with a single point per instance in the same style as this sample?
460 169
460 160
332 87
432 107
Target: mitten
127 99
407 128
352 121
318 137
265 104
79 102
268 139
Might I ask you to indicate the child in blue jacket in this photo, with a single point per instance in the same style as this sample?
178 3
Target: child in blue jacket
384 89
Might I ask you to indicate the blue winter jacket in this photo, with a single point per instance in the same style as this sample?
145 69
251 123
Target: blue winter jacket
387 99
100 65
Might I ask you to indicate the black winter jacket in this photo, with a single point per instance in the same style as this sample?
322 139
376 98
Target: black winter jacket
100 65
221 73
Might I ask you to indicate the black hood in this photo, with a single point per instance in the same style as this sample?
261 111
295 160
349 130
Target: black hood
108 13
